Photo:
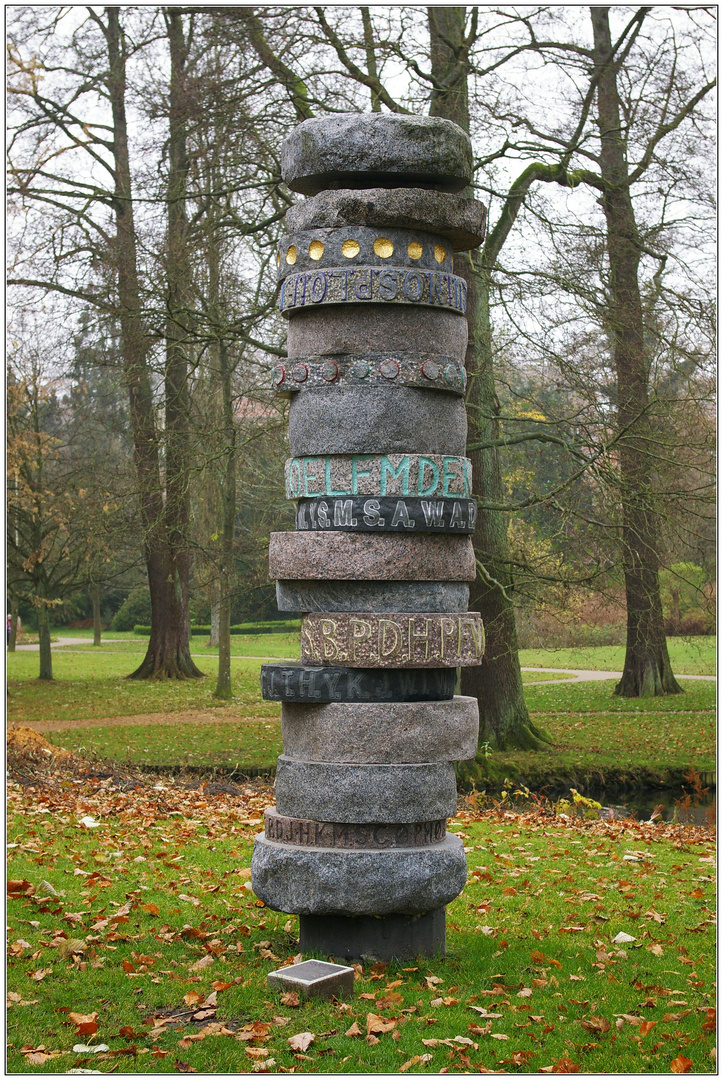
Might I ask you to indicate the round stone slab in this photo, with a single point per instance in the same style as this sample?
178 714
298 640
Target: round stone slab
389 514
316 881
427 371
380 596
426 476
376 150
349 556
355 794
357 245
460 221
335 834
352 328
403 640
356 420
305 683
382 733
391 285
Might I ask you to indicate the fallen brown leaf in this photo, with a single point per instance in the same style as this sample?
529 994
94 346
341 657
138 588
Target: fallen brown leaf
378 1025
354 1030
301 1042
290 999
681 1064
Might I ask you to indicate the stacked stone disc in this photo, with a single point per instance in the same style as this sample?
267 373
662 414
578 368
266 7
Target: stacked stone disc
381 558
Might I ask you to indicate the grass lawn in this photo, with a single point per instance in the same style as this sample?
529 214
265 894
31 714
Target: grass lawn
592 731
149 913
689 656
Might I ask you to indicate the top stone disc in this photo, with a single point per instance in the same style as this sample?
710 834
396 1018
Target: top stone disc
363 150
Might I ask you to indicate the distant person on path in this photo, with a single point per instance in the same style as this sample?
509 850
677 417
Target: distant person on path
10 623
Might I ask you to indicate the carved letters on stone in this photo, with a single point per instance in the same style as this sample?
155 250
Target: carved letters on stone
396 285
387 515
370 640
328 834
337 475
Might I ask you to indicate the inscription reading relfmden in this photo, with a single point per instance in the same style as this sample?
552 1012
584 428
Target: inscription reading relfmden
337 475
370 640
354 285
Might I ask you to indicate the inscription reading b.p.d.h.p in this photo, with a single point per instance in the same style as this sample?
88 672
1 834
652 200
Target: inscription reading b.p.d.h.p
395 285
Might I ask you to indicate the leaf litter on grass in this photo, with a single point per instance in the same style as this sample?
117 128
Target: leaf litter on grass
532 877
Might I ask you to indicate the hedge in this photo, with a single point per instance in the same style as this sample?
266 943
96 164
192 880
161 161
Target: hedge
281 626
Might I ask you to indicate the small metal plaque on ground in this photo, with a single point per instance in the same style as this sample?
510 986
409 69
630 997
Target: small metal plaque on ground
314 978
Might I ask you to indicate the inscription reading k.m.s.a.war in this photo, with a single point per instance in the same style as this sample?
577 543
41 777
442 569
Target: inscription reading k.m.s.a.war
386 515
384 475
370 640
391 285
328 834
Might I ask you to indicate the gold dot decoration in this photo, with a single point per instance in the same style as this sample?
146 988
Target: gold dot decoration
439 253
383 247
291 255
414 251
316 250
350 249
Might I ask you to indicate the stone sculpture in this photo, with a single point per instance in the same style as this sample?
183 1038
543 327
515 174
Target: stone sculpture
381 558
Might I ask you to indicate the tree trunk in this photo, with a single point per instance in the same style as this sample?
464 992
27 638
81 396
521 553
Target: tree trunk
168 653
497 681
12 639
95 601
215 618
647 669
46 659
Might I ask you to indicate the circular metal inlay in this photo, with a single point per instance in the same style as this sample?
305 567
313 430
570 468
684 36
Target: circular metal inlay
316 250
439 253
360 370
453 375
415 250
279 374
383 247
430 370
389 369
329 371
350 249
291 255
300 373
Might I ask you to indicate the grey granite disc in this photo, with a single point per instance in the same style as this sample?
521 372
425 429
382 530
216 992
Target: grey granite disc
382 732
316 881
348 329
353 556
359 793
376 419
376 150
460 221
379 596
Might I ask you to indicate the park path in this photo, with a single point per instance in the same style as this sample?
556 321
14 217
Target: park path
572 674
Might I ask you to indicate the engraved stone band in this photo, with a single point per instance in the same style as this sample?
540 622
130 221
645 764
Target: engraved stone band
427 371
345 556
388 285
362 514
368 640
431 476
308 684
357 245
382 732
336 834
